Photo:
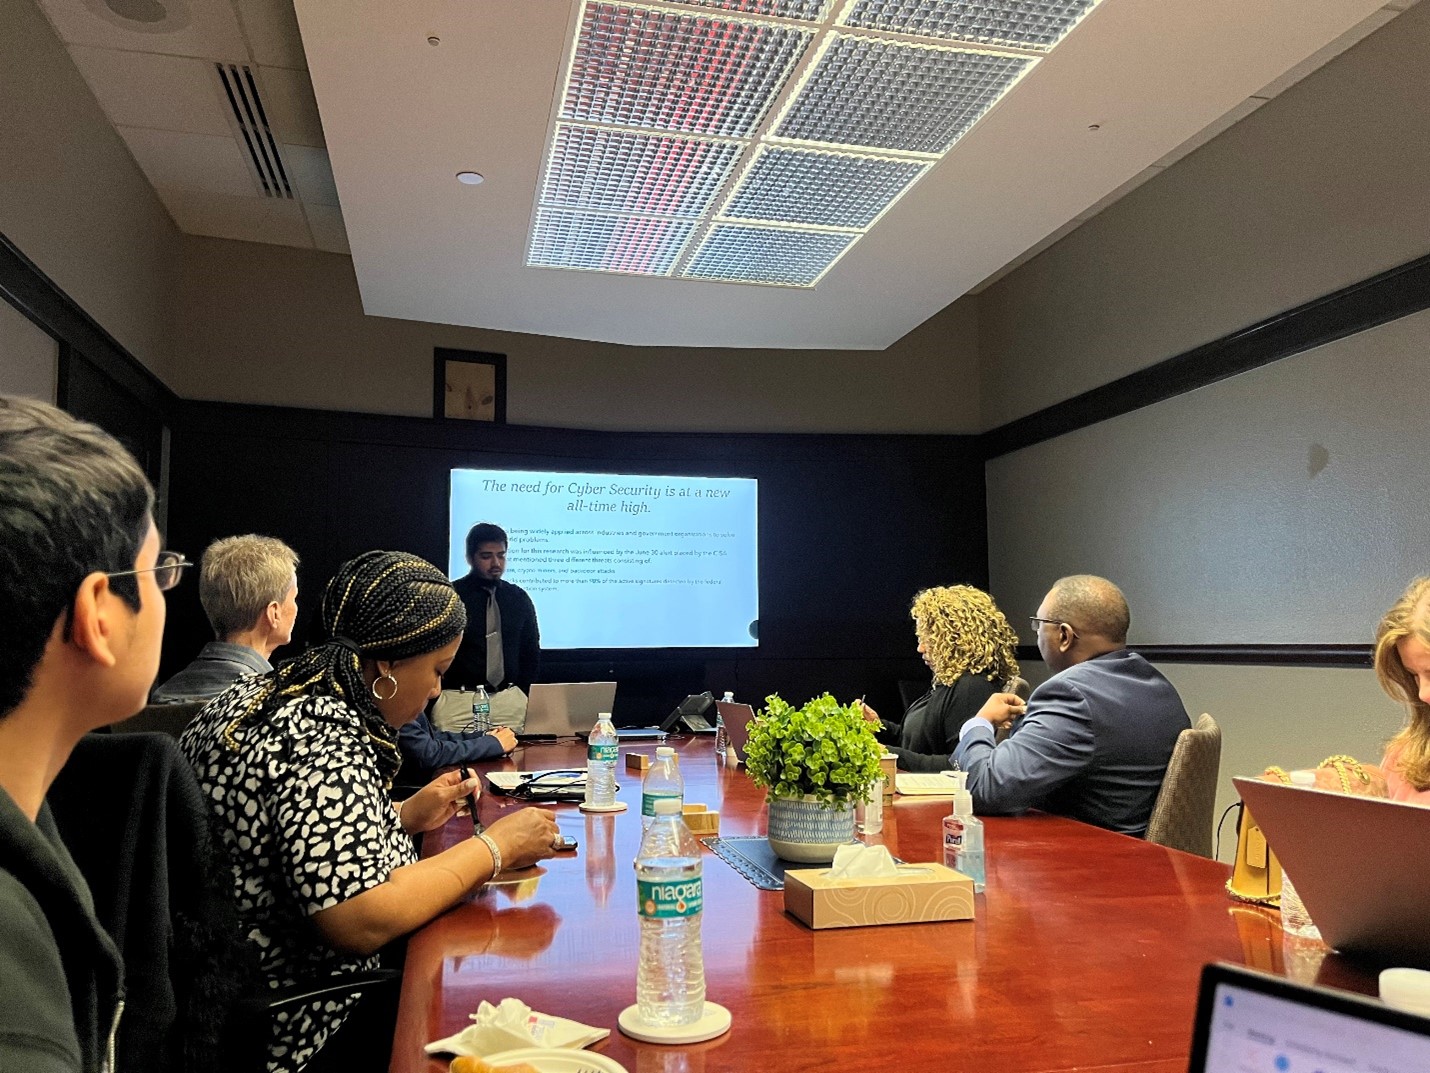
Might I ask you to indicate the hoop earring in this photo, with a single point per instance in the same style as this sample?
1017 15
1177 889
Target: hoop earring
386 676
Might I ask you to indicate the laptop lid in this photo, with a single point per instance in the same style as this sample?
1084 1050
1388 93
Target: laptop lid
737 718
566 708
1249 1022
1361 865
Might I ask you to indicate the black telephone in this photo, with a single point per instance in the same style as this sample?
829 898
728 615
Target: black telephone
696 713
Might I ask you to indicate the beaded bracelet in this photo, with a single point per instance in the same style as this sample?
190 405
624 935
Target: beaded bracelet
491 845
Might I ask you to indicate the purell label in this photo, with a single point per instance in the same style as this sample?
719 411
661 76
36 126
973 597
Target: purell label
648 802
952 833
602 753
665 900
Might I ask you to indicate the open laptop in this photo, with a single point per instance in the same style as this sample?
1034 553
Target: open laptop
1248 1022
737 718
1361 865
564 709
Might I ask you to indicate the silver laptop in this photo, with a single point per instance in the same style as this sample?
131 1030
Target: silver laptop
1248 1022
565 709
1361 865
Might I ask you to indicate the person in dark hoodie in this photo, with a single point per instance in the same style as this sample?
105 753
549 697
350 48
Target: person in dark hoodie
82 579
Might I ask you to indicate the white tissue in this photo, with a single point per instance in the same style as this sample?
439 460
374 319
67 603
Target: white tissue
512 1025
856 861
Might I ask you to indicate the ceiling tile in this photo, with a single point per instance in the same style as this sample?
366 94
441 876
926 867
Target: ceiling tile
606 243
247 219
292 109
635 67
740 254
203 28
800 186
310 173
271 27
144 89
174 160
329 233
620 171
810 10
1038 24
890 95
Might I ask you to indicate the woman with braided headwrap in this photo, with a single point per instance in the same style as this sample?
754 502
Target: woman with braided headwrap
298 763
967 643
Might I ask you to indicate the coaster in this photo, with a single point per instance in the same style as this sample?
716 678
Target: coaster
617 806
714 1022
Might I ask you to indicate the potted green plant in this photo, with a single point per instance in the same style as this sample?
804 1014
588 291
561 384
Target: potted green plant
815 764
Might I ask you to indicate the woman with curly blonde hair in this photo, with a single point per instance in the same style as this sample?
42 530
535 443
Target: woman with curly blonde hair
1402 663
969 646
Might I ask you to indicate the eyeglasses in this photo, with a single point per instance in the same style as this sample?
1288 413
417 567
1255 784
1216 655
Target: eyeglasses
1038 623
167 571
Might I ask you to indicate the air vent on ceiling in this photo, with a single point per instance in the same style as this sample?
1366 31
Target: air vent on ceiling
241 88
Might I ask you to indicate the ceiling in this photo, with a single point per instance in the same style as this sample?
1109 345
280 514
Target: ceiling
215 101
154 66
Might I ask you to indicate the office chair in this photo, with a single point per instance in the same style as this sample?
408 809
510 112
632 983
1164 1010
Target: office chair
170 719
1182 816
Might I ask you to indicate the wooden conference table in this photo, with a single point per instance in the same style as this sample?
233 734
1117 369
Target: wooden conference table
1084 954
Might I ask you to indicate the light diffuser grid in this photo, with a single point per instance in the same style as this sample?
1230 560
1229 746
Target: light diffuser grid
802 186
619 171
1038 24
887 95
808 10
742 254
696 74
561 239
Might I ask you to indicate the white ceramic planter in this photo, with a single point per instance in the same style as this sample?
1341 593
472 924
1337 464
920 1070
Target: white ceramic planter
803 830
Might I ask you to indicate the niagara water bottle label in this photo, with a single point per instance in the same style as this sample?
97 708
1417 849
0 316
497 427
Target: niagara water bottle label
601 753
663 899
648 802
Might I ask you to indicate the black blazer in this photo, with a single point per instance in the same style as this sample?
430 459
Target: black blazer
520 638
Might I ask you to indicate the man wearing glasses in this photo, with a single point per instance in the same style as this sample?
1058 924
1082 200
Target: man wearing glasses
1093 741
83 581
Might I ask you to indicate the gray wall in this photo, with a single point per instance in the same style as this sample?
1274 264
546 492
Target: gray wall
28 357
270 324
1283 505
72 198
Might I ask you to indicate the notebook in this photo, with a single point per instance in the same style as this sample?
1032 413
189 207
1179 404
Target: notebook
1248 1022
935 784
1361 865
564 709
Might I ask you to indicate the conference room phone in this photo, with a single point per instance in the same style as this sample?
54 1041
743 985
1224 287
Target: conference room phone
696 713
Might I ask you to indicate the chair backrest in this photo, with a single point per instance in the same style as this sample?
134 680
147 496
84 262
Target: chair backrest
1182 816
167 719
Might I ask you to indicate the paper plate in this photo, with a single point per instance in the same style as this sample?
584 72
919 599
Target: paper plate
557 1060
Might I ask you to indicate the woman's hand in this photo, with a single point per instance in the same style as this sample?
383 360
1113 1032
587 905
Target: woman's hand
437 802
524 837
870 715
1002 708
507 737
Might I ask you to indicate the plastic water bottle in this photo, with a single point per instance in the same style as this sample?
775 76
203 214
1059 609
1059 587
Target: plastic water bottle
722 736
963 837
481 710
662 780
670 981
601 763
1294 918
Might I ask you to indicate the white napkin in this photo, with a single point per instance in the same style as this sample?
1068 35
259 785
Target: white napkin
857 861
513 1025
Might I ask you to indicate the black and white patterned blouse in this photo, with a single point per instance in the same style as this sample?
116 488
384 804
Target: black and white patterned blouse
307 823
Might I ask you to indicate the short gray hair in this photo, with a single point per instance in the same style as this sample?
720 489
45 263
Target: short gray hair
240 576
1092 606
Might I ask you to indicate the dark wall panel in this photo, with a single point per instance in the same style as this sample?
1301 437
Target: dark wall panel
850 528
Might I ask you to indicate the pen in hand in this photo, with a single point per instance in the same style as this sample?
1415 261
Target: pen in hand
472 803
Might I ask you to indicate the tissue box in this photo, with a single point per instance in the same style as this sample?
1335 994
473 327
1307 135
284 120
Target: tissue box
918 894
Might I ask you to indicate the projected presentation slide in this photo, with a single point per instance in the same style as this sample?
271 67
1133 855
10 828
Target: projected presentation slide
621 561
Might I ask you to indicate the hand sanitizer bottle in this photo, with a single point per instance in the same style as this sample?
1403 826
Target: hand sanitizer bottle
963 837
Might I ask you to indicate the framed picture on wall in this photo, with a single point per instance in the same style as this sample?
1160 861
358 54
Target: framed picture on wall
469 385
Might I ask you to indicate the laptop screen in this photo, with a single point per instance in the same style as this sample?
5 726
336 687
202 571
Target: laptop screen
1253 1024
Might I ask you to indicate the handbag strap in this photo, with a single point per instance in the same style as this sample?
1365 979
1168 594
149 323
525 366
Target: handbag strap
1346 767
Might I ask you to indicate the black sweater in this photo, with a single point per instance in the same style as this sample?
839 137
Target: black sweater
929 733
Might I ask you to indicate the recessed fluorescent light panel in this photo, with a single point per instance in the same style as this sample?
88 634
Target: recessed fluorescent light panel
756 141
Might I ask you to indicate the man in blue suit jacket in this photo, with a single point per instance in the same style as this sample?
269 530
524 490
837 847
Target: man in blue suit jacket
1094 740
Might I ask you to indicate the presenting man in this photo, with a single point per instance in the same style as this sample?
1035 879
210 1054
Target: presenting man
501 649
248 586
1096 737
82 580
